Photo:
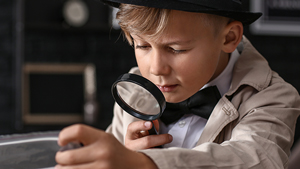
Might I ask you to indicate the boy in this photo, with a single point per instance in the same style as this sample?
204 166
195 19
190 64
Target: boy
183 47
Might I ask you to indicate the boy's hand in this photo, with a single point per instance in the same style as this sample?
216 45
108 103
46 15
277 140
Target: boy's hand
100 150
138 138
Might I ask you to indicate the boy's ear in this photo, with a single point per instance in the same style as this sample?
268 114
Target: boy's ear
233 35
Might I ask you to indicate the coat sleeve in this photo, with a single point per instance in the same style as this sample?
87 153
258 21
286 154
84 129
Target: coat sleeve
116 127
261 138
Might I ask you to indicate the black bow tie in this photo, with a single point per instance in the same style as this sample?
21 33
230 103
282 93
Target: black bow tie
202 103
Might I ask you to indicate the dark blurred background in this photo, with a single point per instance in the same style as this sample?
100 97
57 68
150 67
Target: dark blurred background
35 31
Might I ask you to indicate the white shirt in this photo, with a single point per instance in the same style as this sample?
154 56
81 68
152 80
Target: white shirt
187 130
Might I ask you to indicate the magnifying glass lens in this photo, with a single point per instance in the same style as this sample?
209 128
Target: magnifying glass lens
138 98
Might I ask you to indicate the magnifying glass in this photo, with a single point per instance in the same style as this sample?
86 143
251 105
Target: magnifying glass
139 97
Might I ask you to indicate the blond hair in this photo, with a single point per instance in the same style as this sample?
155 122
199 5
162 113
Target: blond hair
140 20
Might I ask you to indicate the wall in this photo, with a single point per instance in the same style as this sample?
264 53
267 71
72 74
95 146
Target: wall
6 66
102 46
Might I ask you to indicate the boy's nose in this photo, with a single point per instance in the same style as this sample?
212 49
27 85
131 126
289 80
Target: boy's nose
159 64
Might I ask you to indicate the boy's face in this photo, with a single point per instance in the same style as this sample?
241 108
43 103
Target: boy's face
184 58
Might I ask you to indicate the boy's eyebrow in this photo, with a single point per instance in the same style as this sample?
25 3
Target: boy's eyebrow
175 42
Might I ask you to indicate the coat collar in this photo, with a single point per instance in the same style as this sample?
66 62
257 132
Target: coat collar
245 73
251 69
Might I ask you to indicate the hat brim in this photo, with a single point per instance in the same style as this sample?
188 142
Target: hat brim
243 16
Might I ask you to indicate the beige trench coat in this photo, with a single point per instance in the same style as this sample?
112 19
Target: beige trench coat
252 126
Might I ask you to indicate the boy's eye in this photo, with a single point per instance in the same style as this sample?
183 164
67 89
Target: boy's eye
142 47
176 51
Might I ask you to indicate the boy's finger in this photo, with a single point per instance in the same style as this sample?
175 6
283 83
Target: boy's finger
75 156
137 127
152 141
78 133
160 139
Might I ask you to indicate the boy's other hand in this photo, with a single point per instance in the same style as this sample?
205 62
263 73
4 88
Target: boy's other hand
100 150
138 138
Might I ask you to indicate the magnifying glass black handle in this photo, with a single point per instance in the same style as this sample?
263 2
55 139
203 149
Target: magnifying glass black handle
153 131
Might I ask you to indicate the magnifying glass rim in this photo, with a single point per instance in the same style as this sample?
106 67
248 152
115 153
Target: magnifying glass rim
146 84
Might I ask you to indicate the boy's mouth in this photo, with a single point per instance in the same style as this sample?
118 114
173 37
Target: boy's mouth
167 88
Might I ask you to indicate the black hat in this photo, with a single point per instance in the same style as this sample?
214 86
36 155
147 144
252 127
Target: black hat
228 8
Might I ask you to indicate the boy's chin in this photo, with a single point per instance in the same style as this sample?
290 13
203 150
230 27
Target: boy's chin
174 99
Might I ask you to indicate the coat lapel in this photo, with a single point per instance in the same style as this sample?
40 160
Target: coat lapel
223 113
